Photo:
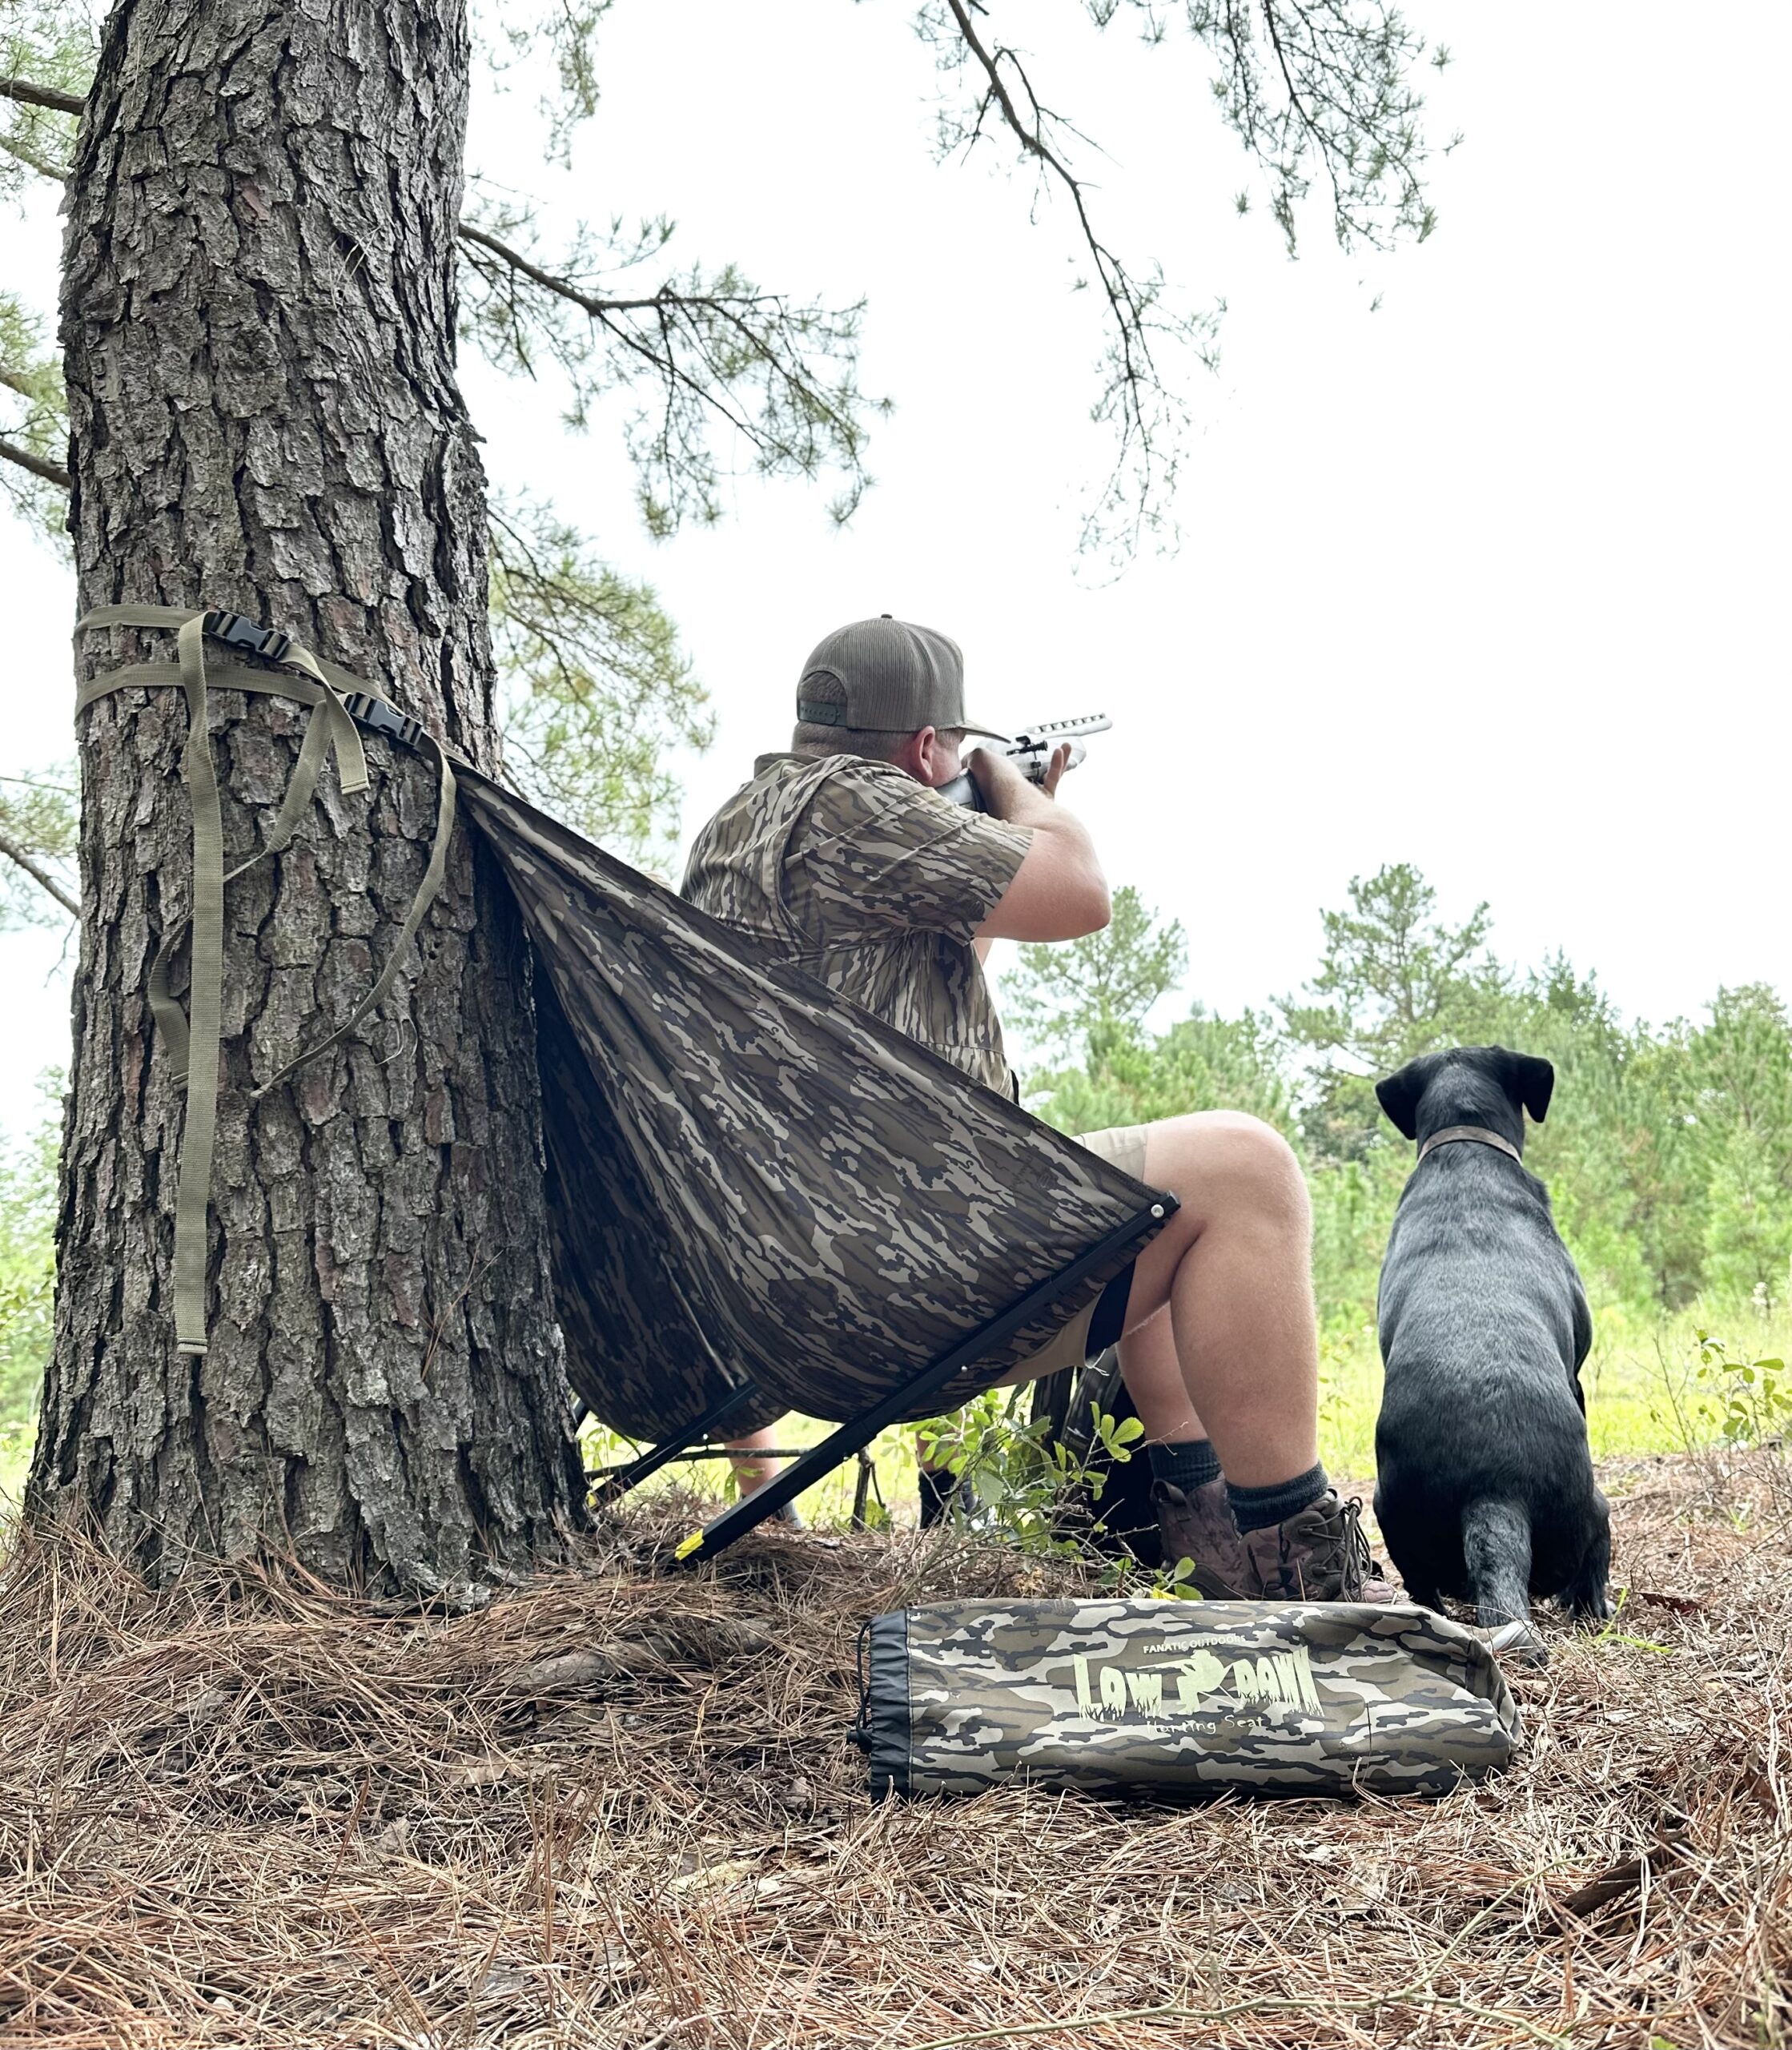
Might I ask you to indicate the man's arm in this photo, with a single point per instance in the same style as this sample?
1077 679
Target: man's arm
1058 891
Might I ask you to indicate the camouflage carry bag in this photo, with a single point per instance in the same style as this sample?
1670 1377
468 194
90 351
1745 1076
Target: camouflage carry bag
1162 1697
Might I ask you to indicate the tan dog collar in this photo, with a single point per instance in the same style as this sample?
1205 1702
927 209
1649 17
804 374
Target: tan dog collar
1452 1134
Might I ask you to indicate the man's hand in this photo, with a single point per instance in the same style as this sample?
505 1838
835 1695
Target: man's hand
1006 790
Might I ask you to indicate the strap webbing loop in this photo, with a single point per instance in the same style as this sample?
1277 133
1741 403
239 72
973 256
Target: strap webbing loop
194 1043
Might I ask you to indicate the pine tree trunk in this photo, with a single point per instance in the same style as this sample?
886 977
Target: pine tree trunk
258 312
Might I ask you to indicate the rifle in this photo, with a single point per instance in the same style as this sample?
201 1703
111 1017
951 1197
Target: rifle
1030 752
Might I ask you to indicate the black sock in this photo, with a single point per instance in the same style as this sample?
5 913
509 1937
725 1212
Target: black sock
1255 1509
939 1489
1187 1466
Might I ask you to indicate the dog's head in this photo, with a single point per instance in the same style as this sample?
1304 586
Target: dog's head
1486 1085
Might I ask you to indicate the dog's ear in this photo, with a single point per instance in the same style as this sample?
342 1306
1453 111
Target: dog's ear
1530 1080
1399 1094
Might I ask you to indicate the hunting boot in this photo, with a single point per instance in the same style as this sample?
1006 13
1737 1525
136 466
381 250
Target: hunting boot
1318 1554
1196 1525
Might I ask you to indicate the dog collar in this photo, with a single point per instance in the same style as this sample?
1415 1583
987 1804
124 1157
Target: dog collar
1452 1135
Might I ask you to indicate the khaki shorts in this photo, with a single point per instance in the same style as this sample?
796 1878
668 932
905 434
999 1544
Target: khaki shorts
1123 1146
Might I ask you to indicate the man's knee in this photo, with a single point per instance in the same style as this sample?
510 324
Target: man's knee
1219 1161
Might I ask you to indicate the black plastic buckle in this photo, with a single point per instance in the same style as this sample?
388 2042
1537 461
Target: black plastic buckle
237 632
378 716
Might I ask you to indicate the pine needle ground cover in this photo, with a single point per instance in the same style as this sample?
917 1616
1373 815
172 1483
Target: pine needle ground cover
617 1807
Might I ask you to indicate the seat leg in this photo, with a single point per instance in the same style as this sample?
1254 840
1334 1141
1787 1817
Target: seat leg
610 1486
857 1432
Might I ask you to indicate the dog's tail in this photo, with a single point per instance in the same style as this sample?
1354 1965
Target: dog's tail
1496 1550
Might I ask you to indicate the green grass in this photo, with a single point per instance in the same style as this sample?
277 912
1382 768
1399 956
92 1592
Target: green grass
1643 1390
16 1437
1641 1381
1643 1396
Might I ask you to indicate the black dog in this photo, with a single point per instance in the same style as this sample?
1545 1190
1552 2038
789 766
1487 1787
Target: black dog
1485 1488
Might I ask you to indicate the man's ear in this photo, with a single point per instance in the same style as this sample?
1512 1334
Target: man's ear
914 755
1530 1080
1399 1094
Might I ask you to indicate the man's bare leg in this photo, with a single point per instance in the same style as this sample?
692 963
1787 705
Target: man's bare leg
1233 1267
1232 1270
1153 1376
753 1469
747 1456
1188 1489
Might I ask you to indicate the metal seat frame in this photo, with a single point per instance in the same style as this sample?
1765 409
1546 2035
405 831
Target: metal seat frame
857 1432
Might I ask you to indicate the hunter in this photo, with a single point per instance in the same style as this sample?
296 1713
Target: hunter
841 856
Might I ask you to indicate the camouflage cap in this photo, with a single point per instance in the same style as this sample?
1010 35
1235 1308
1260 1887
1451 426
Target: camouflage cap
897 678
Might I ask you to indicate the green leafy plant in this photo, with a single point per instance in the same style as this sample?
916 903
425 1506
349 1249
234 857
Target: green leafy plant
1726 1395
1030 1488
602 1448
1751 1399
1174 1583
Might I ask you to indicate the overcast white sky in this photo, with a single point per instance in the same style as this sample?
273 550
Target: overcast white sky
1491 579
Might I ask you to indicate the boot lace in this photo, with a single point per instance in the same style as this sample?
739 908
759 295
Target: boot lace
1343 1550
1357 1561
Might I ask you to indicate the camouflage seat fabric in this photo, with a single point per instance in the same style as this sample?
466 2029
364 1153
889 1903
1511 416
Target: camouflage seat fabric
1181 1698
634 1353
754 1180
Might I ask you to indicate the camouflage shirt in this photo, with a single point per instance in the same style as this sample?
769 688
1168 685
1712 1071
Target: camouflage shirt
872 882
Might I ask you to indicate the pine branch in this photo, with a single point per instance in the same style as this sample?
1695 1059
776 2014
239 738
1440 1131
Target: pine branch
1148 417
703 350
54 174
598 308
49 472
596 690
14 853
28 94
1334 95
1310 88
1030 132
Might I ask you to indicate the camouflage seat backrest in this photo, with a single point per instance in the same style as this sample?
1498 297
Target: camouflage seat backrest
1179 1697
755 1180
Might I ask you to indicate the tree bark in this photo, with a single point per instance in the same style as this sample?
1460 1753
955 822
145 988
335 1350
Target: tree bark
258 314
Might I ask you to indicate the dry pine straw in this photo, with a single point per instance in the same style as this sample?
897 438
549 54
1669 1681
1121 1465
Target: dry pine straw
616 1807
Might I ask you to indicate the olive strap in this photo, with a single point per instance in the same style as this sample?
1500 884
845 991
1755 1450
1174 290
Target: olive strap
194 1042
